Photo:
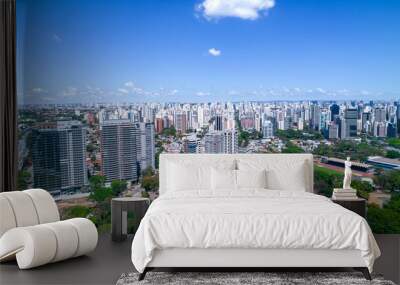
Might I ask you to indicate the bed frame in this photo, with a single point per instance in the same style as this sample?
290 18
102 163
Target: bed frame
242 259
256 259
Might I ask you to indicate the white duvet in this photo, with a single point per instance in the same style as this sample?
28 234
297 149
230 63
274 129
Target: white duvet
250 219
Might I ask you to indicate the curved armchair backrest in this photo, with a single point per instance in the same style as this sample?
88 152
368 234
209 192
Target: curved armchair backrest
26 208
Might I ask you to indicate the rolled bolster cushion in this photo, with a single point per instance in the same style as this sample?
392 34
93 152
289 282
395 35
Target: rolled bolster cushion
37 245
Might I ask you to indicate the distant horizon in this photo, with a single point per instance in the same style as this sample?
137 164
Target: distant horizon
144 50
366 101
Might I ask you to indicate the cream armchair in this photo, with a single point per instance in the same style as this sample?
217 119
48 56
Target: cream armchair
31 230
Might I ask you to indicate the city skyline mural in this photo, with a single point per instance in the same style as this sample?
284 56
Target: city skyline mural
106 87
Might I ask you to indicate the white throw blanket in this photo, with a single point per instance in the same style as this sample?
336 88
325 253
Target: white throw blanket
250 219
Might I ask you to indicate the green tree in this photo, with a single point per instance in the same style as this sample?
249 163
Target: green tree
292 148
97 181
169 131
90 147
157 158
394 142
363 188
101 194
150 183
23 179
118 186
387 180
387 219
148 171
78 211
392 154
326 179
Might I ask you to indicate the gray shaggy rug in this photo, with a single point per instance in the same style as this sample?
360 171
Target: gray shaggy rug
229 278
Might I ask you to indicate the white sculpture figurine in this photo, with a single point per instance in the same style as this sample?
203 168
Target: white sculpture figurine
347 174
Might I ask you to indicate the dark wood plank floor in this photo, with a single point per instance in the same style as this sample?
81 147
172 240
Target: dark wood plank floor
103 266
110 259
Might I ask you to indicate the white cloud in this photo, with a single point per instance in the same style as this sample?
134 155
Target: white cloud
57 38
173 92
320 90
243 9
202 94
214 52
38 90
129 84
70 92
123 90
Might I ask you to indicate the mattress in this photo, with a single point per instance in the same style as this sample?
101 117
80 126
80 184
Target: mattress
250 219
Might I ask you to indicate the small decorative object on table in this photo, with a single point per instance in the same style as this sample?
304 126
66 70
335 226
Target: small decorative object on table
347 193
119 214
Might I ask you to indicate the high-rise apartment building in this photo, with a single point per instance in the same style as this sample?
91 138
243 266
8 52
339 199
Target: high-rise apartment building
230 142
380 115
59 157
190 144
147 146
218 123
268 129
214 142
315 117
159 125
333 131
119 149
350 119
180 122
334 111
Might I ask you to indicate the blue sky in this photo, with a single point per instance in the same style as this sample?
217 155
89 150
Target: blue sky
191 51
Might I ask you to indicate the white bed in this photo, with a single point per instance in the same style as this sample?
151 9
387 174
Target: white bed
198 223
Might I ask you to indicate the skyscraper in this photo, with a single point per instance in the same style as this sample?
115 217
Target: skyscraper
231 141
180 122
315 116
119 150
334 111
147 149
214 142
218 123
59 156
190 144
268 129
350 119
380 115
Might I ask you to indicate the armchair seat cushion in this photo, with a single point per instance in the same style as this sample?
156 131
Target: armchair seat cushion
44 243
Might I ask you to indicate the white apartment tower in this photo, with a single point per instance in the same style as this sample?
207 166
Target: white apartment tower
119 140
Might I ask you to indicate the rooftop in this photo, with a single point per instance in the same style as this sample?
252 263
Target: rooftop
384 160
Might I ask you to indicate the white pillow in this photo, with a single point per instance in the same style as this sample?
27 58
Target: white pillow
284 172
251 178
223 179
182 177
278 178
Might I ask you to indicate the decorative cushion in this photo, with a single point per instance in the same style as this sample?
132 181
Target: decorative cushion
277 179
183 176
285 173
251 179
223 179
